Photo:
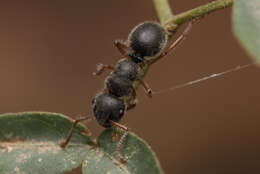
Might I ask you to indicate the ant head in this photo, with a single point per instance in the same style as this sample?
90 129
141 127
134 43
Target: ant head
106 108
147 39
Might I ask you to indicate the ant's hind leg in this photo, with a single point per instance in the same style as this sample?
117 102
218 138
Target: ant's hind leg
101 68
121 141
66 142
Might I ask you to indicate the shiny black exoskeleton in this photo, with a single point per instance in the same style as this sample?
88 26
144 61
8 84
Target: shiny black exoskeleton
144 46
145 40
144 43
120 82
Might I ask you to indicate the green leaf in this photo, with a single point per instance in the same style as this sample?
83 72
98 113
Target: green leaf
246 25
140 158
29 143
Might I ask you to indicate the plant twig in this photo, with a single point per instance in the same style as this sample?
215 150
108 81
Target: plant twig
172 22
163 10
200 11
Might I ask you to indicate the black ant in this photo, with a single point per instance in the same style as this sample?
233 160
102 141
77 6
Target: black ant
144 47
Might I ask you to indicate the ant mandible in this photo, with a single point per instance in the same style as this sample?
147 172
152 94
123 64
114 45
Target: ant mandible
144 46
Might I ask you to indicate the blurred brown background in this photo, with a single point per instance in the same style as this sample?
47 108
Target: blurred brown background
49 50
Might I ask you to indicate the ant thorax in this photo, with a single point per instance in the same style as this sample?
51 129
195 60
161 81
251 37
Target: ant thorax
127 69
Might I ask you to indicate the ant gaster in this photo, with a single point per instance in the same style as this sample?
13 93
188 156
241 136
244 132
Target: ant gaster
145 43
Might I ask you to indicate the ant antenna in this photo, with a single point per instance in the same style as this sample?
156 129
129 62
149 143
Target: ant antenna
237 68
123 137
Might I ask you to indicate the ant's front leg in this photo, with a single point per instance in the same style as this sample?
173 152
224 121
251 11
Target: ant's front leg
101 68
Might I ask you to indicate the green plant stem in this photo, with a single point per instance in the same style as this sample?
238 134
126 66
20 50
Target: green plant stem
200 11
163 10
172 22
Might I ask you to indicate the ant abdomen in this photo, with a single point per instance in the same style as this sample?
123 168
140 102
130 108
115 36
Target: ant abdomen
108 108
147 39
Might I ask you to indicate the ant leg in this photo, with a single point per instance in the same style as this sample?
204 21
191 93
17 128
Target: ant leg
122 47
133 100
65 143
123 137
177 41
101 68
147 89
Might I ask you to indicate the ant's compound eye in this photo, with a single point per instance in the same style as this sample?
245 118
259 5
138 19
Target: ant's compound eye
148 39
